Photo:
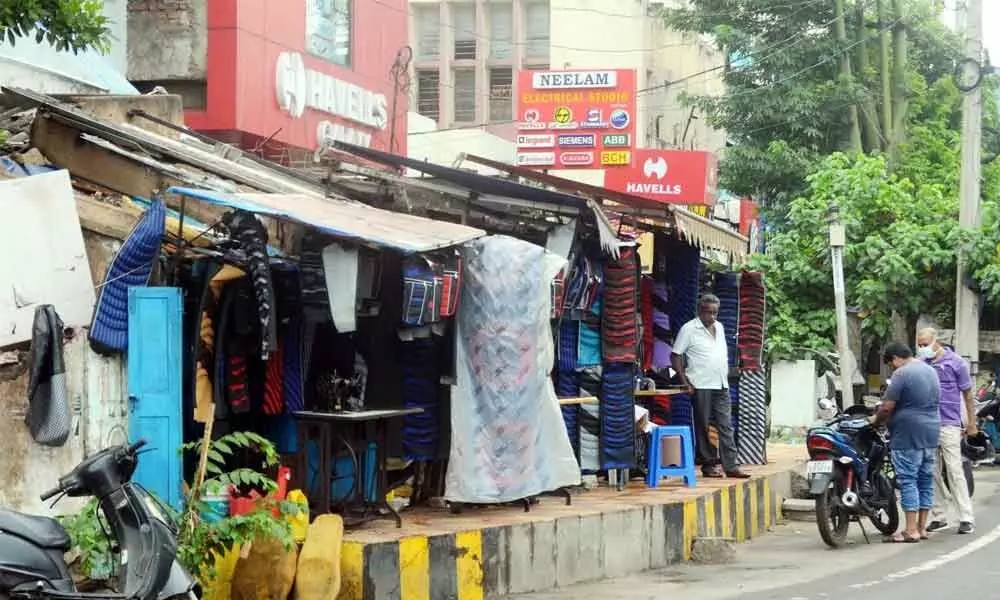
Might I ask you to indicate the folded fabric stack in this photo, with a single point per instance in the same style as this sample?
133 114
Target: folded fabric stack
752 444
421 433
590 421
726 287
751 319
618 416
620 331
589 337
131 267
734 407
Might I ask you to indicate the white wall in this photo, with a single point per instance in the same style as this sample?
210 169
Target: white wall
424 142
793 393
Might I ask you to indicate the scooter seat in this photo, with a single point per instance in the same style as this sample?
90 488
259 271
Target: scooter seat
42 531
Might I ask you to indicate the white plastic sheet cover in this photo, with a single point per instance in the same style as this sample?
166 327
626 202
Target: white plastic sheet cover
508 438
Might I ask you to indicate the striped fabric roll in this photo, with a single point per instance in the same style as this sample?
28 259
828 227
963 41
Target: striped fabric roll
274 396
752 446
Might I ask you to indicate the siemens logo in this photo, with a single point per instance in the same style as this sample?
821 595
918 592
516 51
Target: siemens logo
579 141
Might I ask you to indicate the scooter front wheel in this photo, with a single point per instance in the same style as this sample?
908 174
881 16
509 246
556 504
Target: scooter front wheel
832 517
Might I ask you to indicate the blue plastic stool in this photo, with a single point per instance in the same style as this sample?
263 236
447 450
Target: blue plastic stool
656 470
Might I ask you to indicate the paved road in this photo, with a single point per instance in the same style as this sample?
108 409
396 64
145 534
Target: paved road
791 563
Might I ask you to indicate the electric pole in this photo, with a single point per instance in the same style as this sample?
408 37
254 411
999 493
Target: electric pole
966 300
838 239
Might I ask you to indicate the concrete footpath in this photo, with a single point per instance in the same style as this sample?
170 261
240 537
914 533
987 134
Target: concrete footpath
488 553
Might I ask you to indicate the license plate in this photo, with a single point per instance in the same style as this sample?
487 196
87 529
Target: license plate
817 467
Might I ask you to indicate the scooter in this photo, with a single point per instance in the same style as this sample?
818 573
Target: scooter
850 475
32 566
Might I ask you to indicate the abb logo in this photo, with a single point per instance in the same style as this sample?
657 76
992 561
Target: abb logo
655 166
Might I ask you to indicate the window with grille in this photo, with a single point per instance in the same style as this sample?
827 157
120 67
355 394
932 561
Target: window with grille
428 32
501 94
501 31
328 30
465 95
429 94
464 19
536 30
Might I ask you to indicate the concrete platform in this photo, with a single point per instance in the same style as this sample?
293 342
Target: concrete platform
493 552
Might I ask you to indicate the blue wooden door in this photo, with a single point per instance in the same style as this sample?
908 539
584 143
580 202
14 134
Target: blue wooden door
154 387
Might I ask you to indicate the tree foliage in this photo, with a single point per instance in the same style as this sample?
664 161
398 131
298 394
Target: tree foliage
787 102
902 234
74 25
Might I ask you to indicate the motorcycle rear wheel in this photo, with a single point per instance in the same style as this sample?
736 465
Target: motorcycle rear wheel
832 519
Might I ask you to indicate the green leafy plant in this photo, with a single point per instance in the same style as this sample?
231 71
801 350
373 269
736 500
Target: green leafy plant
91 546
202 540
73 25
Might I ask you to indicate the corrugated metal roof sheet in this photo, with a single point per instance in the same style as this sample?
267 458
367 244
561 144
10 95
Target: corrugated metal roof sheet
349 220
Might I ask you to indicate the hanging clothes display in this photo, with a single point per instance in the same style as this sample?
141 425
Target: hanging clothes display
647 325
752 445
726 287
509 441
682 278
131 267
568 378
589 337
662 335
751 327
312 278
420 358
49 417
619 325
618 416
590 421
245 228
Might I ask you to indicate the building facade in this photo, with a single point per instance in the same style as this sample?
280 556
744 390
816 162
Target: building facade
467 53
283 80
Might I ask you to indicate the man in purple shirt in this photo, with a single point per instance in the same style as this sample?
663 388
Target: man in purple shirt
957 413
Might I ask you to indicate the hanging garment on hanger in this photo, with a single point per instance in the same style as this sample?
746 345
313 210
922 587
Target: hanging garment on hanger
49 417
291 354
246 229
340 269
312 280
274 392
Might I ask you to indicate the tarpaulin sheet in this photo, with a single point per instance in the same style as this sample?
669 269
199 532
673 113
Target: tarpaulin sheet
508 437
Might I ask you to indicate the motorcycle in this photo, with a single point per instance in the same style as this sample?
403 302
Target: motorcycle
850 475
32 566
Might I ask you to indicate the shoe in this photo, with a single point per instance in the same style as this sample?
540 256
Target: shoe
937 526
966 527
737 475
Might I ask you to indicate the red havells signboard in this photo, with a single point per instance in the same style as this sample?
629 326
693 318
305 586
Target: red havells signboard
304 73
575 119
668 176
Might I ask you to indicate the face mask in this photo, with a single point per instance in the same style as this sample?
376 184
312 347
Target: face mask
926 352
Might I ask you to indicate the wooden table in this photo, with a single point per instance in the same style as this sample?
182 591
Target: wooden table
355 431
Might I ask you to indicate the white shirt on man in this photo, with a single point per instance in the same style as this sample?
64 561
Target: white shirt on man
706 354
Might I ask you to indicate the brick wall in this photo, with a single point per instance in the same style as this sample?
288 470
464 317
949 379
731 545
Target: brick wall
168 39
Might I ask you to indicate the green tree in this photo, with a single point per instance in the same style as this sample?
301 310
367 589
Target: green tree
798 79
75 25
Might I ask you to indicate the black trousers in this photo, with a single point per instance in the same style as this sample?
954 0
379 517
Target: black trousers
712 407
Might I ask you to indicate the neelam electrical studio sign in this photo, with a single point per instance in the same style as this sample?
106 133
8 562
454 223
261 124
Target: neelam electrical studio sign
299 88
567 111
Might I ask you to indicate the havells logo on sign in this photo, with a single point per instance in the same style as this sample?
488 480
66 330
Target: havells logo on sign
299 88
655 167
567 80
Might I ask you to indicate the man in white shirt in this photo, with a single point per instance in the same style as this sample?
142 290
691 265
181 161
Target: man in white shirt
701 360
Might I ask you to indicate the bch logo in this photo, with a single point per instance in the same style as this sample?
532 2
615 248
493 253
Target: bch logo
562 115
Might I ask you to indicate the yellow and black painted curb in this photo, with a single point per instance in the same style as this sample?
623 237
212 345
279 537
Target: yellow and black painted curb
542 555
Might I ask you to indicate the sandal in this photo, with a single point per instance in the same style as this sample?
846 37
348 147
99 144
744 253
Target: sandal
901 538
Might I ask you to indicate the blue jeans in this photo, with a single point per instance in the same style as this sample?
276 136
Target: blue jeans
915 477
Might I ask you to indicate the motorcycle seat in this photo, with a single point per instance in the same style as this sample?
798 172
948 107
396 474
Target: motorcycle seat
43 531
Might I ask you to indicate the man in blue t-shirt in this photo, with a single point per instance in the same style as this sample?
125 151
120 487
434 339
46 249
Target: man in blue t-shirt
910 407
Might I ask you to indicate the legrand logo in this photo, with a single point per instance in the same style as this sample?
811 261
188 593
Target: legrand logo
299 88
655 166
566 80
